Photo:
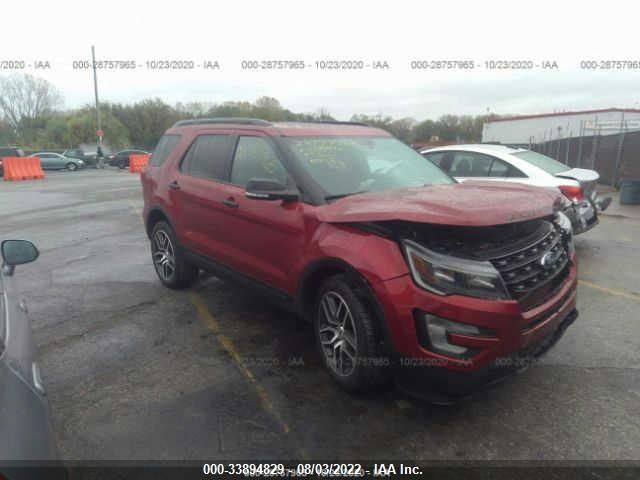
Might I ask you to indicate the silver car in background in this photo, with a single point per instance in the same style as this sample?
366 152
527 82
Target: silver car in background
501 163
56 161
25 430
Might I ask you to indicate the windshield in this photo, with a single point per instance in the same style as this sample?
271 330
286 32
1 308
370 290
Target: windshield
547 164
347 165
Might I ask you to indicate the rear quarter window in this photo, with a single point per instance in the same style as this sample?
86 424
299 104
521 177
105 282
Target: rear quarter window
165 146
543 162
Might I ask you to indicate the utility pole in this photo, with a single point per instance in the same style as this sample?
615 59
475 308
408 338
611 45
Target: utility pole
99 132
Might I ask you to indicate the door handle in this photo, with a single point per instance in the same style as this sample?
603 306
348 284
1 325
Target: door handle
174 185
230 202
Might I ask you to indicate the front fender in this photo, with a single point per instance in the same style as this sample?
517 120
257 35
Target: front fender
374 257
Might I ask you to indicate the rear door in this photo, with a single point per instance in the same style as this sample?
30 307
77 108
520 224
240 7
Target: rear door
198 191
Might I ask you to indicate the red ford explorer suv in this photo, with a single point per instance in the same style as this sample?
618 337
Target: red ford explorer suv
403 272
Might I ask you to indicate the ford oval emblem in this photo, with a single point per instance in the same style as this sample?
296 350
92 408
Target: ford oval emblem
550 258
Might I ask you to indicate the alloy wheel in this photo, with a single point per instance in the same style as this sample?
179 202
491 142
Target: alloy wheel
163 255
337 334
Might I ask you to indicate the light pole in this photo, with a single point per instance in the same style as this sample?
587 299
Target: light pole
99 132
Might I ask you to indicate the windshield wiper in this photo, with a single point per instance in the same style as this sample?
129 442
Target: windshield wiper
342 195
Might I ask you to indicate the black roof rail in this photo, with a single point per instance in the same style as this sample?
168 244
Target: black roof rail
236 120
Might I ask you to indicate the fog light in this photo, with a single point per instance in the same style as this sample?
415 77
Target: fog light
433 333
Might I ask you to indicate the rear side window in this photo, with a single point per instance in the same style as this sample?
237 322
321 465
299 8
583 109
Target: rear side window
165 146
255 158
501 169
207 157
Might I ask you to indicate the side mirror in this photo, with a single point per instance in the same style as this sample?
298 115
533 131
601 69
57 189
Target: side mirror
266 189
18 252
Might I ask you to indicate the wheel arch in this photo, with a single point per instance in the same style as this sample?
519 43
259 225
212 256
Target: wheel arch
315 274
155 215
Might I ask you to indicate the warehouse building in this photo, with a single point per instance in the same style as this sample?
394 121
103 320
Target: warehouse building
526 130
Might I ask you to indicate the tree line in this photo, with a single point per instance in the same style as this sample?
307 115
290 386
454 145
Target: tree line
31 115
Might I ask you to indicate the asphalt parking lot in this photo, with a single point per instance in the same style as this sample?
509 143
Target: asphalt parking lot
136 371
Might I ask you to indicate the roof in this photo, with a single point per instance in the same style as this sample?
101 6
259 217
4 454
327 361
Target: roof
562 114
476 147
287 129
299 129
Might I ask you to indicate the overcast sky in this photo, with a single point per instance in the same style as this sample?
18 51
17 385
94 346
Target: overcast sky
397 32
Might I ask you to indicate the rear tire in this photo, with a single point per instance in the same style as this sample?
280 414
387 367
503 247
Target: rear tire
121 165
347 337
169 262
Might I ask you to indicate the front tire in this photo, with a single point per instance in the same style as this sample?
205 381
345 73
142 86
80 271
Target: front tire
122 165
347 337
171 267
72 167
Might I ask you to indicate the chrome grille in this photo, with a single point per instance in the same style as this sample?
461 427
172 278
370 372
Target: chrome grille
526 279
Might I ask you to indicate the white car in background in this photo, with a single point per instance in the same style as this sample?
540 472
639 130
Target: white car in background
501 163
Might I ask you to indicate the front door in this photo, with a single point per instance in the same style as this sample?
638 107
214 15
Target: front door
265 237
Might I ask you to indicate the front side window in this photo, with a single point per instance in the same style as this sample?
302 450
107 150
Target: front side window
471 164
347 165
256 158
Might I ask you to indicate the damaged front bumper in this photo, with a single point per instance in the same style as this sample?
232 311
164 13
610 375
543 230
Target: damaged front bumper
515 339
443 387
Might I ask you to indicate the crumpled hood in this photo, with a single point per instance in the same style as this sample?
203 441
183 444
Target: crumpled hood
472 203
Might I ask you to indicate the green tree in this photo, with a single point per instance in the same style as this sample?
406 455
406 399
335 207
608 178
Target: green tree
145 121
81 128
424 131
25 102
403 128
7 133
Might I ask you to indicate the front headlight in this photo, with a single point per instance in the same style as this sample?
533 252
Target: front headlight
567 232
444 274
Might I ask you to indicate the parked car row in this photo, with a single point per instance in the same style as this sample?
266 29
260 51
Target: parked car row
405 273
71 159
